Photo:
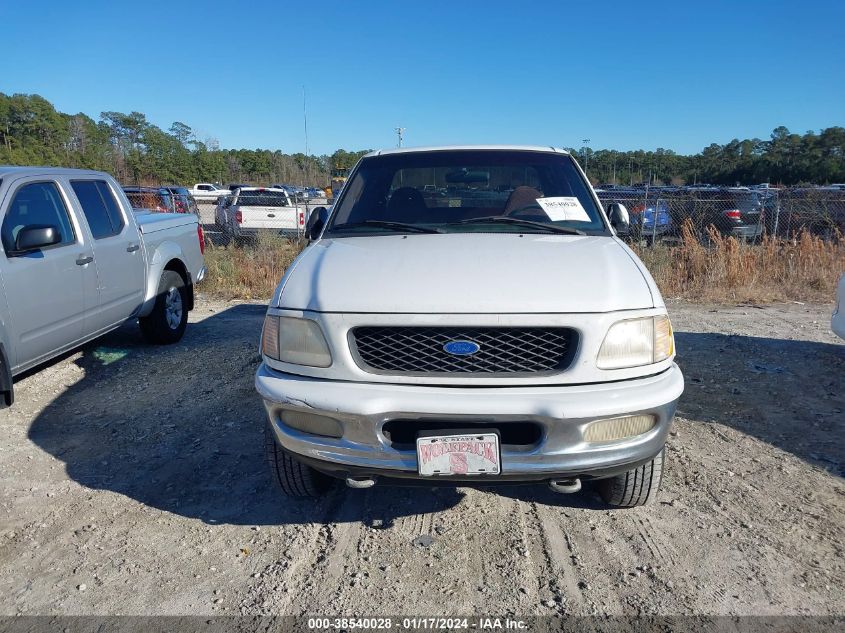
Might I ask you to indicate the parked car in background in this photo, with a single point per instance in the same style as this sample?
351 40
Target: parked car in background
733 211
837 322
183 201
77 262
650 215
651 221
252 210
468 339
235 186
156 199
207 192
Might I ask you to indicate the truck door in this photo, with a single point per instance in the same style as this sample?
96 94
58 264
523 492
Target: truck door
47 289
118 256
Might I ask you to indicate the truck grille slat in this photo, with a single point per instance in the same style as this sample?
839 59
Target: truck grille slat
502 350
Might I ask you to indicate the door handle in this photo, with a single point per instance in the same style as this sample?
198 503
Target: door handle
84 259
271 215
132 248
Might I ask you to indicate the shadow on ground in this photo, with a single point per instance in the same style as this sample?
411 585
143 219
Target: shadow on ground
180 428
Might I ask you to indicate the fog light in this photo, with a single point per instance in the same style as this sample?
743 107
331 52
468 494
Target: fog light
312 423
619 428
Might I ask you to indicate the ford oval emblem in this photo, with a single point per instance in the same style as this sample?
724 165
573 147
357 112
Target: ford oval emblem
461 348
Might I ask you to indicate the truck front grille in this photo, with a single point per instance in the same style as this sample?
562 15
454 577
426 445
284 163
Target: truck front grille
501 350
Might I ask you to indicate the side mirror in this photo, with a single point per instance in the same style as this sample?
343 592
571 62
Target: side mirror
316 221
619 219
36 236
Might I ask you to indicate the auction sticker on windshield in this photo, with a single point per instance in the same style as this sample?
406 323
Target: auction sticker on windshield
564 208
476 454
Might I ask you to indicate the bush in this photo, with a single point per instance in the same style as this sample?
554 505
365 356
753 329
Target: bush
249 272
805 268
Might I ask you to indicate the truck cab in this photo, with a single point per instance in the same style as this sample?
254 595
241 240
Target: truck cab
468 315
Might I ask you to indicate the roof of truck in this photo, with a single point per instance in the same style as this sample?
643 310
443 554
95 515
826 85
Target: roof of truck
441 148
11 170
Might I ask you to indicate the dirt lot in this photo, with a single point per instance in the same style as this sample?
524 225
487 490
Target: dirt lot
132 481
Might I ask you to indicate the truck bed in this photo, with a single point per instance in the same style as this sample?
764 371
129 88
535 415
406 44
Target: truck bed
150 222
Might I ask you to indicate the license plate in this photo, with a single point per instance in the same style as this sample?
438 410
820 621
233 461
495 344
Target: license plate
476 454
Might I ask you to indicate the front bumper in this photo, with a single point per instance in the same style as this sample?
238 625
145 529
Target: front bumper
563 412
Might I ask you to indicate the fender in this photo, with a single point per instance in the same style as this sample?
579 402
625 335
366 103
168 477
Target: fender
166 252
7 389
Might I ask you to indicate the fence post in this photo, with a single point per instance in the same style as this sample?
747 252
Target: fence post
654 222
777 213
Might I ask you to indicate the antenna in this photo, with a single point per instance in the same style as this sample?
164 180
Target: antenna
399 132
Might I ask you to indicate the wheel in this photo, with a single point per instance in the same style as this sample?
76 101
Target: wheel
294 478
167 322
636 487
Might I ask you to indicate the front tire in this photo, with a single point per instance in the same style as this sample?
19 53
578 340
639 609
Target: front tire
166 324
294 478
636 487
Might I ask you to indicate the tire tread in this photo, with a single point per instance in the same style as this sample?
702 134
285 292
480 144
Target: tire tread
294 478
635 487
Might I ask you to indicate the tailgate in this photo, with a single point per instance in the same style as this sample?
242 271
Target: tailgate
278 218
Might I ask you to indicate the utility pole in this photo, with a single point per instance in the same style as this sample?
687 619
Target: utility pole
399 132
586 155
305 121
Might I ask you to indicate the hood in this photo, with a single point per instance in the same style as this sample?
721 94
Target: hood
465 273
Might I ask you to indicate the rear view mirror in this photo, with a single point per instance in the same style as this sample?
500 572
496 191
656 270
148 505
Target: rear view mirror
316 221
465 176
619 219
36 236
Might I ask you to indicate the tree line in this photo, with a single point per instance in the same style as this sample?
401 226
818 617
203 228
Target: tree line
135 151
785 159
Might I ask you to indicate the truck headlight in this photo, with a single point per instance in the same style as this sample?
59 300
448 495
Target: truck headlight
297 341
637 342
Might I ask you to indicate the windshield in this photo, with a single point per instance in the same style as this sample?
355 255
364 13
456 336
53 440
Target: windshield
263 198
466 191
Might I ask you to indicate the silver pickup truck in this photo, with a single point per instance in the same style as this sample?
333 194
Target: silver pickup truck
76 262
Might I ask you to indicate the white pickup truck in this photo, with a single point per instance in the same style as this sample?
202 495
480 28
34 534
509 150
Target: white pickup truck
252 210
491 328
77 262
207 192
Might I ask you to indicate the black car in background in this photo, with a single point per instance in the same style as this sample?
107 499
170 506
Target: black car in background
183 200
734 211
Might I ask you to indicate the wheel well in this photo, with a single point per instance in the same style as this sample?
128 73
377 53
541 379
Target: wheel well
179 268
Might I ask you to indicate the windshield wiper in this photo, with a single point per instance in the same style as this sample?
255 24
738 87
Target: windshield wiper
504 219
416 228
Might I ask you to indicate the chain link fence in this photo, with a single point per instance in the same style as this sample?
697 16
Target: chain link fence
243 219
658 214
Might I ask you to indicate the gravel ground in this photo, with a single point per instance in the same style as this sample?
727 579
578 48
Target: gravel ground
133 482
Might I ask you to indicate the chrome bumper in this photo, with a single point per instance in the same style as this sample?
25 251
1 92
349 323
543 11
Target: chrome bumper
563 412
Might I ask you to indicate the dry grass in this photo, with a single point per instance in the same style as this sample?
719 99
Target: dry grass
249 272
729 271
726 271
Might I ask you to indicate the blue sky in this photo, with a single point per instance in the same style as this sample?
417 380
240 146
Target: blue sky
625 75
